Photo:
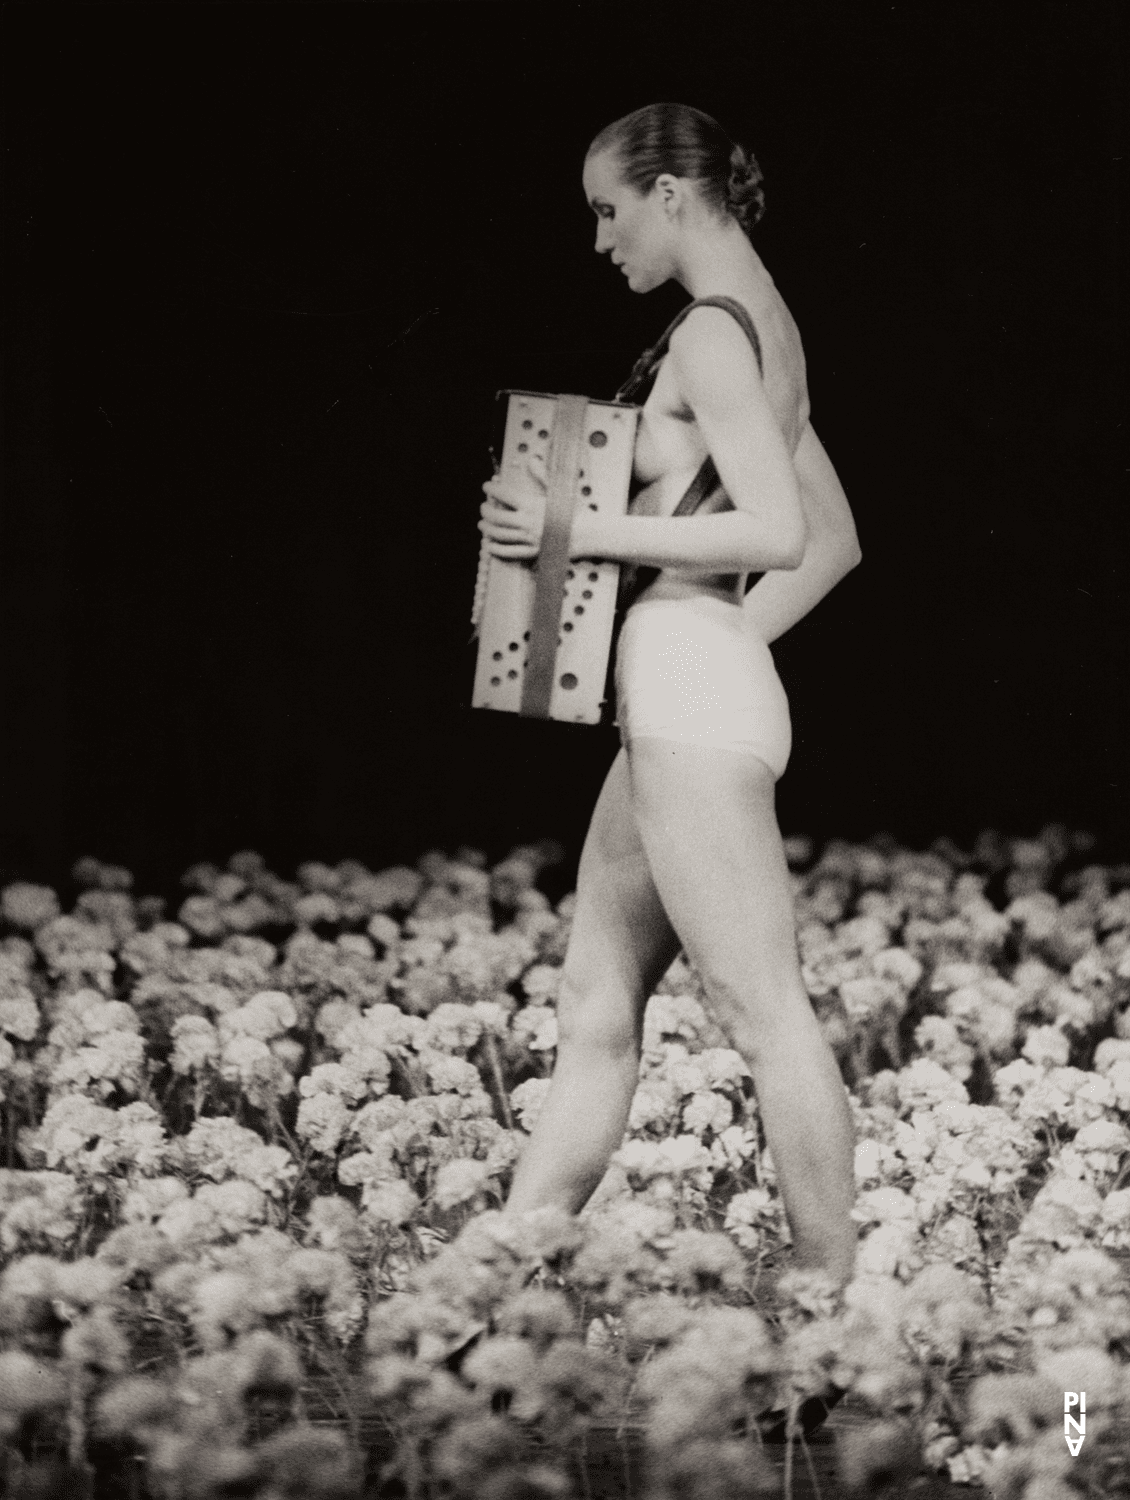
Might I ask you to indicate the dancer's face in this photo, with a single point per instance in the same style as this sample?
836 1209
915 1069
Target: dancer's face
633 228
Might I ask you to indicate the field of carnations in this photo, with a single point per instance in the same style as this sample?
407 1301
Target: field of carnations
254 1155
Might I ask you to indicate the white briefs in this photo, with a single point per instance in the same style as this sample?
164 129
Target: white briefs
694 670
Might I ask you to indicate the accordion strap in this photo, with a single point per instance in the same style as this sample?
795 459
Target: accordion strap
634 579
553 558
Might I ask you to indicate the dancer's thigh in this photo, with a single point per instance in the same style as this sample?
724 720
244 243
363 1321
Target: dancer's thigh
706 819
621 943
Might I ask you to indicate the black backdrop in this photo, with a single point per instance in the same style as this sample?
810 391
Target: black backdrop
267 265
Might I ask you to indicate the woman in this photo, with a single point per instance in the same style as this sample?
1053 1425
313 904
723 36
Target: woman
684 850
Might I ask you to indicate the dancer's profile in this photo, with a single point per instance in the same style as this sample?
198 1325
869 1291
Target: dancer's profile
683 850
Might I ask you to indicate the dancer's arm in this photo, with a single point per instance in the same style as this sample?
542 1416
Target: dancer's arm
717 378
780 599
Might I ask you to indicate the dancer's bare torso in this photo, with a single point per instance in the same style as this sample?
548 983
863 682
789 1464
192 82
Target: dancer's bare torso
670 447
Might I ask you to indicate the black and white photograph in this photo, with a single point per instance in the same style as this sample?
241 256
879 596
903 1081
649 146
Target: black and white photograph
565 816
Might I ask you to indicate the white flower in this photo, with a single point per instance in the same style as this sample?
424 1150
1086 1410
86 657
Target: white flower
723 1067
527 1100
890 1250
19 1015
542 983
868 1161
536 1025
937 1036
1116 1211
28 906
1109 1054
653 1104
684 1154
453 1075
390 1202
322 1120
924 1083
267 1014
453 1028
1046 1046
335 1078
460 1181
898 964
250 1062
884 1206
196 1044
732 1147
707 1111
749 1214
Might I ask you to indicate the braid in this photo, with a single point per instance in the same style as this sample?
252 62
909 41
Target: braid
745 196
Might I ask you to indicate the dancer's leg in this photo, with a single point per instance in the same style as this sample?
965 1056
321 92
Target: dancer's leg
620 946
707 822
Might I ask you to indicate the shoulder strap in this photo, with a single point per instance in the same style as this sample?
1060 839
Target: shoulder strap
727 304
634 578
643 372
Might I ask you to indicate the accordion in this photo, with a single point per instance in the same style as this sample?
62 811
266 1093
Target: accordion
545 627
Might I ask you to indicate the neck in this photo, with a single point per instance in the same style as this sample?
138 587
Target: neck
711 260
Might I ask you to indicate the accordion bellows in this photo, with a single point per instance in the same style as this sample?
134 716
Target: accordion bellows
545 628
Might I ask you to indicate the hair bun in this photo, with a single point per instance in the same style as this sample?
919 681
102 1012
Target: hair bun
745 197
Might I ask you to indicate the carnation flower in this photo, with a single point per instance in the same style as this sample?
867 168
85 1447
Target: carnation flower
390 1202
202 915
937 1037
1046 1046
883 1206
542 983
148 1200
732 1148
527 1100
460 1181
322 1120
332 1223
39 1211
707 1111
453 1028
452 1074
28 906
922 1084
251 1063
214 1211
344 1082
265 1015
892 1249
28 1385
117 1062
750 1214
91 1141
196 1045
319 906
19 1015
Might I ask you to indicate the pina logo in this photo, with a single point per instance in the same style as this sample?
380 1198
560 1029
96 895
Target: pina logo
1070 1399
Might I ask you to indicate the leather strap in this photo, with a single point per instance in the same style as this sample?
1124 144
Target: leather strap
553 558
634 579
645 368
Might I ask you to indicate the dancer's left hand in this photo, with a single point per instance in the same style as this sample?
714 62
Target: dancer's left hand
513 514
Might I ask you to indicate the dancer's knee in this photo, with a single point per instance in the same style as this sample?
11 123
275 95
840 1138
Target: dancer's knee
761 1018
595 1018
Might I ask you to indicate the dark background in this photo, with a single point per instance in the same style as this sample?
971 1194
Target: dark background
266 266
